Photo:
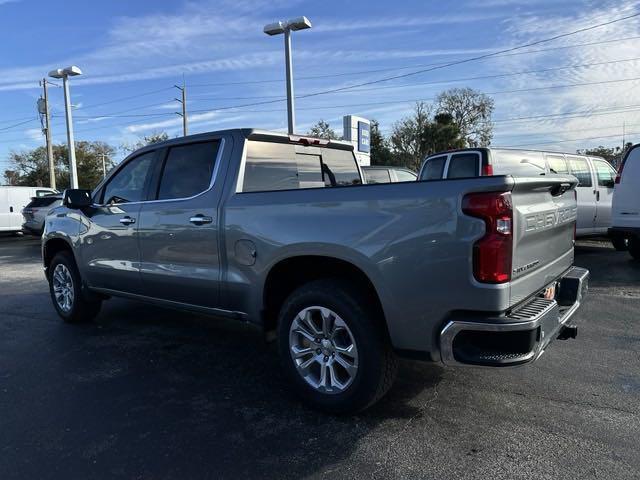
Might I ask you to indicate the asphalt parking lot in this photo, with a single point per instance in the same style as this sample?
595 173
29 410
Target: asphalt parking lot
151 393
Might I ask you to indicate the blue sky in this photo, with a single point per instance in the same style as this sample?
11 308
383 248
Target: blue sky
133 52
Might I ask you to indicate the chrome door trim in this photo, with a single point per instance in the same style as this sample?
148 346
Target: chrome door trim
172 303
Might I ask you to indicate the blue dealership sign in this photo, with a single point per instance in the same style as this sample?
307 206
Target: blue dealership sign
364 144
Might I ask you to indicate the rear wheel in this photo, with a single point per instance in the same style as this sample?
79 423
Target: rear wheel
634 247
65 286
621 244
333 347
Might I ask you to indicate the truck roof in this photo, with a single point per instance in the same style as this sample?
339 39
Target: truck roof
253 134
475 149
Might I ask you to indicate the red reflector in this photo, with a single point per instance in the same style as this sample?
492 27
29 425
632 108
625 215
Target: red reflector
492 254
487 170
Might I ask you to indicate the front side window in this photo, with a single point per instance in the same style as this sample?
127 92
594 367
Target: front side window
580 169
557 164
188 170
128 183
433 168
605 172
280 166
464 165
377 175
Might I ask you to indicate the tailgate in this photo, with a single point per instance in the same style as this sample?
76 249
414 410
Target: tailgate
544 214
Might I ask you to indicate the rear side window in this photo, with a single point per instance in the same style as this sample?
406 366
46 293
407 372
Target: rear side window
580 169
433 168
605 172
127 185
42 193
280 166
377 175
188 170
464 165
557 164
41 202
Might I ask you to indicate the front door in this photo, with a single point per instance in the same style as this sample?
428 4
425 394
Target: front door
605 176
586 194
179 226
110 253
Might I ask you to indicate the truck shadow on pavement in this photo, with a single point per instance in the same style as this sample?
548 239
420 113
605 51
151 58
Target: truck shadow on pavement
204 397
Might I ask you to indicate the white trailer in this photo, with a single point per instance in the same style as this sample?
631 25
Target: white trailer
13 200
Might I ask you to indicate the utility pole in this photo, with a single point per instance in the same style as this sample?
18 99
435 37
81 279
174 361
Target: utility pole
47 133
183 101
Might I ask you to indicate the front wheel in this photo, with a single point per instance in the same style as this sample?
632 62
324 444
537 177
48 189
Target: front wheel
65 286
334 348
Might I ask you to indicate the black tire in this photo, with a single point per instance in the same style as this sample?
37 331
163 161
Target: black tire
377 363
621 244
83 307
634 247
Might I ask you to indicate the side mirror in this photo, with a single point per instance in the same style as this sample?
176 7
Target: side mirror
76 198
608 183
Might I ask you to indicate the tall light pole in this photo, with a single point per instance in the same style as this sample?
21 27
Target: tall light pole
286 27
64 74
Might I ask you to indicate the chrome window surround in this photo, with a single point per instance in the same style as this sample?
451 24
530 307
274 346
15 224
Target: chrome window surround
214 176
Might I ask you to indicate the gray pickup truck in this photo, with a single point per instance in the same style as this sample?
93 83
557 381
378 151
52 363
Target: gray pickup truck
279 230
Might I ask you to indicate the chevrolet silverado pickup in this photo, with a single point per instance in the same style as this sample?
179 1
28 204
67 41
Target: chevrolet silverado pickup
280 231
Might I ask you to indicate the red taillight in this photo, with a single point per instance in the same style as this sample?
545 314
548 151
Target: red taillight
492 254
487 170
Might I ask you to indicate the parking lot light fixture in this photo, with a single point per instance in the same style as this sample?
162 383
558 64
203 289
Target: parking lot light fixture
286 27
64 74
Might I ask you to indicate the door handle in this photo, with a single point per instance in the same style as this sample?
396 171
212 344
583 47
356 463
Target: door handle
598 196
200 219
127 220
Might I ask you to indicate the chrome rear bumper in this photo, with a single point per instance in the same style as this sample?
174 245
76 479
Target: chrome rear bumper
519 337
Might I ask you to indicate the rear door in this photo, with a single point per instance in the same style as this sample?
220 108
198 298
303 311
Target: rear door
18 199
605 181
179 226
5 217
586 193
544 211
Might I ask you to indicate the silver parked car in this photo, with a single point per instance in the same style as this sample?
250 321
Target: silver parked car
35 212
387 174
280 231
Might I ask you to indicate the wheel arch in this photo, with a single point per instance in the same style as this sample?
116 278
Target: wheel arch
292 272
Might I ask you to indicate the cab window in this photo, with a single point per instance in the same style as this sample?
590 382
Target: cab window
128 184
464 165
433 168
580 169
605 173
188 170
557 164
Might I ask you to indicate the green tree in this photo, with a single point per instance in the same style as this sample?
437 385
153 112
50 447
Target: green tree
155 137
31 167
613 155
441 134
406 138
323 130
471 111
380 152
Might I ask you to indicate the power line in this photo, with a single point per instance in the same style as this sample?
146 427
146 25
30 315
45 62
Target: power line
567 140
405 67
122 99
17 124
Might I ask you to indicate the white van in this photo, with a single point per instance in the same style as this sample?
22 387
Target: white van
626 202
596 177
13 200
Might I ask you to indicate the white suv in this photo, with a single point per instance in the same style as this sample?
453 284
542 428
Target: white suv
626 202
